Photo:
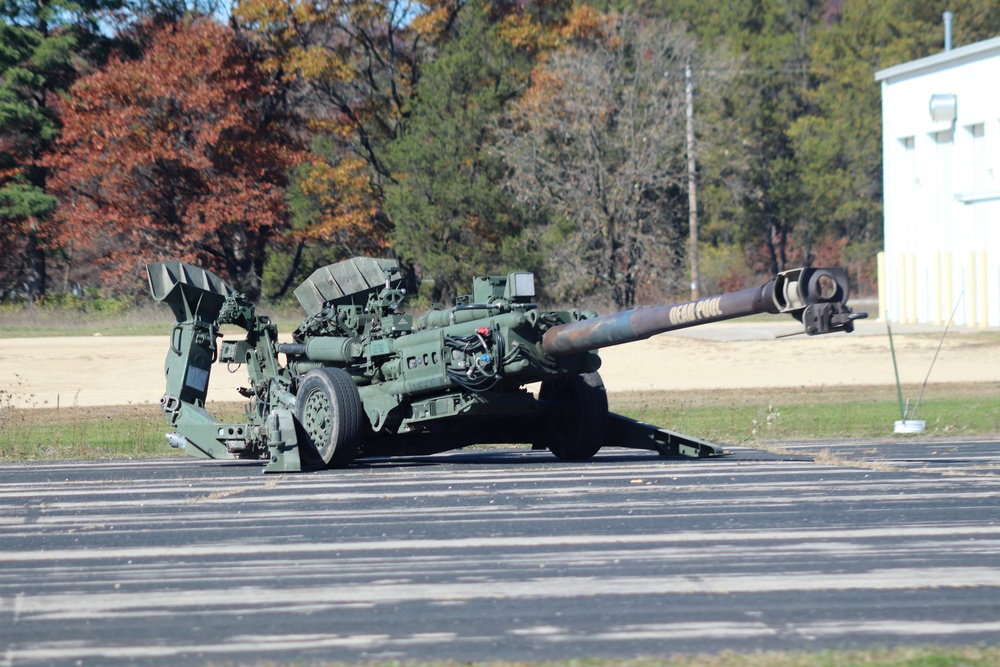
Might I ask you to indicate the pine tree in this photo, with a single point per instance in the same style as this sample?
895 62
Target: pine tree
41 46
452 220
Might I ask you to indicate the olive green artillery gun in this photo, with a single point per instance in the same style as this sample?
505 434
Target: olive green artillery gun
361 379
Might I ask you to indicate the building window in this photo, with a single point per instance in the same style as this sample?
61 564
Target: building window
944 144
907 182
908 173
977 157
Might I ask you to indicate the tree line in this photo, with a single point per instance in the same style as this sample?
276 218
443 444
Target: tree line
463 137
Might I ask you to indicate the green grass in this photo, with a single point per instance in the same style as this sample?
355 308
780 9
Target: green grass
904 656
148 319
734 416
53 323
82 433
726 417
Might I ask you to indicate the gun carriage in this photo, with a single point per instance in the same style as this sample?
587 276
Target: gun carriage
360 378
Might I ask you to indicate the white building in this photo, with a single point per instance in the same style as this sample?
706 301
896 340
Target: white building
941 175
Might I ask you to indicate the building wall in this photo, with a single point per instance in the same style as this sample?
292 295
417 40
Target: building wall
942 189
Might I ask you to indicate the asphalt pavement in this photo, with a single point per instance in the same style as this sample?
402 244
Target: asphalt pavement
500 554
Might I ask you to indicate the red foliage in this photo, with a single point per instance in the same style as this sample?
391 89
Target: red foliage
177 155
829 251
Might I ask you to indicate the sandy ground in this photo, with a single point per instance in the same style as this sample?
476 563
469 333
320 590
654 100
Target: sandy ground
120 370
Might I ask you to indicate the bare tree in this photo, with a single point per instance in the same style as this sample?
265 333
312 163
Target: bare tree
598 142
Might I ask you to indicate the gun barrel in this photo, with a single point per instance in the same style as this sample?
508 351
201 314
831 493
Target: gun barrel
816 296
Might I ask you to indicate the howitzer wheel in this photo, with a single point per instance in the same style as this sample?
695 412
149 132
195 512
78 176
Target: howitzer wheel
328 408
576 421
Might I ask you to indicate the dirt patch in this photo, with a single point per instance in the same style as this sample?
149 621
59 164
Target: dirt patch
128 370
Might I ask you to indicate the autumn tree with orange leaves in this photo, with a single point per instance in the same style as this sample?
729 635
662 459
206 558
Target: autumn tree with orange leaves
181 154
349 68
352 69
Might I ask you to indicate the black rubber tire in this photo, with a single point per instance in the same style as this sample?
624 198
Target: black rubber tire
576 421
329 411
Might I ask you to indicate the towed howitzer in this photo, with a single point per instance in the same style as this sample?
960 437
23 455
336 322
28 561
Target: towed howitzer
361 379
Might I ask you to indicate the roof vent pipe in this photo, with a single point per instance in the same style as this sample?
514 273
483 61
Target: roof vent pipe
947 30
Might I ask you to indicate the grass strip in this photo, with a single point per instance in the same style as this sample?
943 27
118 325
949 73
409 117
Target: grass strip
900 656
727 417
130 431
150 319
760 415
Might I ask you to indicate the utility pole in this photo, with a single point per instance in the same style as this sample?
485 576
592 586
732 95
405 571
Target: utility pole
692 182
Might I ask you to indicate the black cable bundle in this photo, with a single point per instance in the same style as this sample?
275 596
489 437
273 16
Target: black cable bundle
482 374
